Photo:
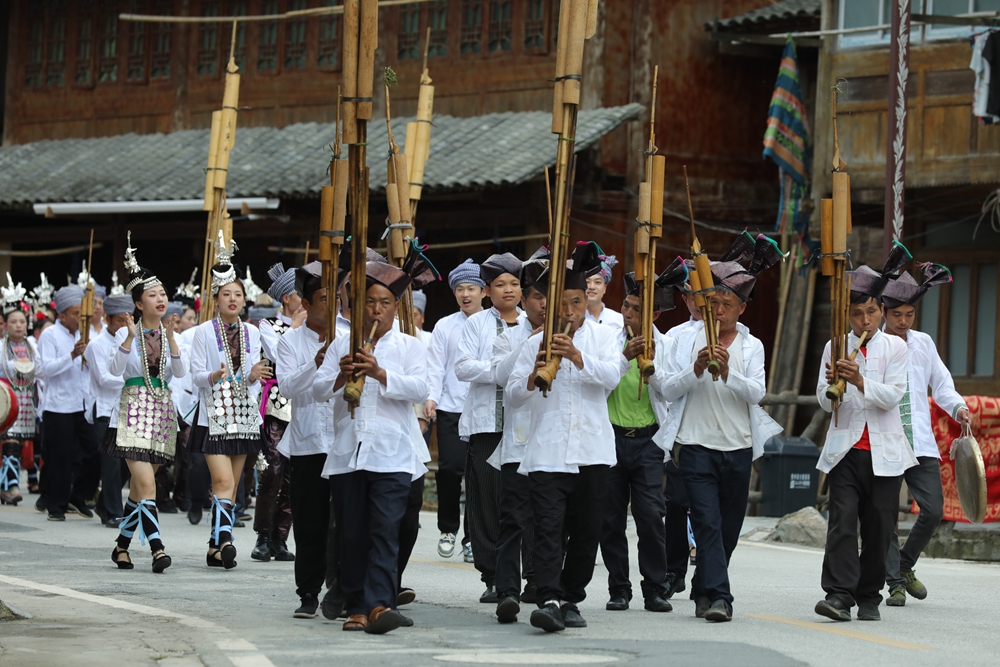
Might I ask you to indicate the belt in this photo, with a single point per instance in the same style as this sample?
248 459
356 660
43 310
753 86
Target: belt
140 382
636 431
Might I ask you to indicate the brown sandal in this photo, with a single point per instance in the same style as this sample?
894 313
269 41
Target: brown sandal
355 623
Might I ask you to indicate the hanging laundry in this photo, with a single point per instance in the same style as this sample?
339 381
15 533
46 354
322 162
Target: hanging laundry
981 67
991 54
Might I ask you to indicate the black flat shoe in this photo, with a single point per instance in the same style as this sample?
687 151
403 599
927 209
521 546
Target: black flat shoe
113 522
719 612
405 596
658 603
701 606
80 507
116 555
161 562
213 558
57 516
868 611
407 622
308 607
262 550
229 556
489 596
548 618
508 609
617 603
571 616
833 609
530 593
281 553
194 515
332 605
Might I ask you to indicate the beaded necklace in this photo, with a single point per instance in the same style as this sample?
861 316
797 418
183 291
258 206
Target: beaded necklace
161 391
223 342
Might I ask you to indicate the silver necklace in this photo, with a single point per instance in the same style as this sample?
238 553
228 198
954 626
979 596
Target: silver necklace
22 378
162 391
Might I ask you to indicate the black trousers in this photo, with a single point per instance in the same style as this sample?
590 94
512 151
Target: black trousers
409 527
452 455
72 461
924 483
638 478
274 511
717 485
310 505
371 506
572 504
516 538
675 521
109 500
857 495
482 503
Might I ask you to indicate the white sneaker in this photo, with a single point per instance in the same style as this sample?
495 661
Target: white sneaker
446 545
467 553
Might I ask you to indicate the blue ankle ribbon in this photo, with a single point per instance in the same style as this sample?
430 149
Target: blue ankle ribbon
217 513
10 469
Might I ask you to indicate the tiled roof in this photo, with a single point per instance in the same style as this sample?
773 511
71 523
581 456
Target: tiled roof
778 11
288 162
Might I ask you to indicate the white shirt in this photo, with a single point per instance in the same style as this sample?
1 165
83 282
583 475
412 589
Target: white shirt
66 380
608 317
675 378
709 399
206 358
570 427
105 386
182 390
885 372
311 429
927 370
446 390
516 419
481 413
127 365
269 338
380 436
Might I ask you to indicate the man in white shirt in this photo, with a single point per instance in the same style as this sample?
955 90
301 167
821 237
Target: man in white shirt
926 369
373 461
273 518
445 403
516 537
419 309
481 423
306 440
570 446
865 453
718 427
106 388
68 438
597 286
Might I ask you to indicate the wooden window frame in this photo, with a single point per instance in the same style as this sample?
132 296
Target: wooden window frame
109 12
142 30
488 31
338 39
285 44
86 62
547 24
36 14
198 36
52 13
279 39
164 8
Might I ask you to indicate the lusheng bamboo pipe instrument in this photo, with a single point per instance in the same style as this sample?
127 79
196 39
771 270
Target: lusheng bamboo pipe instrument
356 385
650 228
835 392
332 219
399 228
360 42
418 134
702 288
574 20
87 304
220 146
835 225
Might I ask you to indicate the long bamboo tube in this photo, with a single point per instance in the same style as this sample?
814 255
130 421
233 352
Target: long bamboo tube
352 16
213 149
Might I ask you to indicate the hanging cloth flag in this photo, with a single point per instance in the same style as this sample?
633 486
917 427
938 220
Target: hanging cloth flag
786 141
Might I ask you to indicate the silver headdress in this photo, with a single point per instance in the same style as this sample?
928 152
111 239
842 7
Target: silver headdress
189 289
116 289
13 296
42 295
253 291
140 276
81 279
224 260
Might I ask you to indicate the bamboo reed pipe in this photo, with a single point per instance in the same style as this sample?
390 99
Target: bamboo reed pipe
356 385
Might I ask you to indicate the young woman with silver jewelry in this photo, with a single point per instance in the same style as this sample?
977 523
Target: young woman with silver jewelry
143 425
228 424
17 369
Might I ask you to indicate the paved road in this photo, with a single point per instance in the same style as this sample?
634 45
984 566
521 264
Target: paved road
85 612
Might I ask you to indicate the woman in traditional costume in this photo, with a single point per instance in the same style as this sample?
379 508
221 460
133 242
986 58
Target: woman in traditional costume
228 428
17 369
143 426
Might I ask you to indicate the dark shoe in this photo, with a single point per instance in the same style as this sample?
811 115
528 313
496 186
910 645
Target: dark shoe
571 616
183 504
489 596
57 516
40 504
618 602
245 517
508 609
213 558
719 612
913 585
262 551
113 522
333 604
79 507
658 603
383 620
897 596
548 618
161 562
833 609
868 611
701 605
405 596
238 523
530 594
407 621
228 556
280 552
117 558
308 607
194 515
674 584
166 506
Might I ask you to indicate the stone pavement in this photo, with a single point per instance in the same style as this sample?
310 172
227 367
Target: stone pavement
85 612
